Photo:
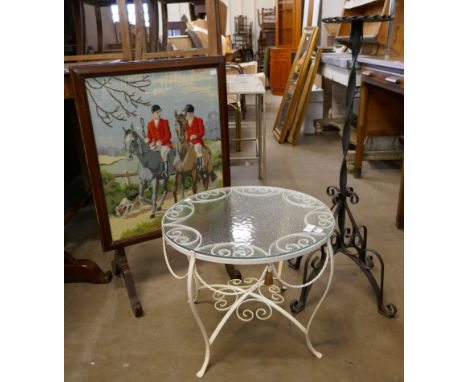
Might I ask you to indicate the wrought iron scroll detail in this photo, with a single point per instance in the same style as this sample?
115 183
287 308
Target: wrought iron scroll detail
349 237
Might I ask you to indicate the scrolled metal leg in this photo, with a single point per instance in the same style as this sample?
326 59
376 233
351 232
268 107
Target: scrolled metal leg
331 256
280 271
316 264
295 263
354 237
246 291
366 266
197 316
233 308
297 306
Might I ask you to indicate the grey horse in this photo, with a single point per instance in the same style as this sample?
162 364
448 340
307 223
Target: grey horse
150 167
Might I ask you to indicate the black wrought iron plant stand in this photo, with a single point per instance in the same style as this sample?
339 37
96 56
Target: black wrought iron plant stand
351 241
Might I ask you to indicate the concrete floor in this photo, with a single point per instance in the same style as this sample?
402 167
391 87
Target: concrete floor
105 342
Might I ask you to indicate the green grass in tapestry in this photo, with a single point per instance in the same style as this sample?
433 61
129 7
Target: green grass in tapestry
144 227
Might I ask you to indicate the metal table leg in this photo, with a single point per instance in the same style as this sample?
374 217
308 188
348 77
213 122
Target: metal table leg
248 293
260 130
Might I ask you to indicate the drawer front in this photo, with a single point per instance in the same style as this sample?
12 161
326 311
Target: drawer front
279 73
280 53
391 81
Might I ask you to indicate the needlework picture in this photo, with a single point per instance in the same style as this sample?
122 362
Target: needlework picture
157 137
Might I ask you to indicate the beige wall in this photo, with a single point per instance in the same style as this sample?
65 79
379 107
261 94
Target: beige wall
246 8
175 11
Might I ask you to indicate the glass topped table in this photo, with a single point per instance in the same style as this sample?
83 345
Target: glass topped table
247 225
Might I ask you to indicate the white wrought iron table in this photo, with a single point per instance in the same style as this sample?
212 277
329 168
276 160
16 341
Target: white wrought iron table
247 225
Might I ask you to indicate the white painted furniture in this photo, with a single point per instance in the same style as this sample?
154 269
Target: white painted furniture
244 84
247 226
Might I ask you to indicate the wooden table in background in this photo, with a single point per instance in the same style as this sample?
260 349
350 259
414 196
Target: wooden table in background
381 110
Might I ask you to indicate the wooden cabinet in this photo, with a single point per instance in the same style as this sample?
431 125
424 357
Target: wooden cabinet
288 23
280 66
287 37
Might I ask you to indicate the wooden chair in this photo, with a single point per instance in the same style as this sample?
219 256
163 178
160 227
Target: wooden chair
242 37
266 38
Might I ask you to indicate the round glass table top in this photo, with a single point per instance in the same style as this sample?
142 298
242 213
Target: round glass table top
249 224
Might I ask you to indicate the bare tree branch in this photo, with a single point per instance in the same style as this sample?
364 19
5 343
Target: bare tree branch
128 112
107 116
122 98
140 84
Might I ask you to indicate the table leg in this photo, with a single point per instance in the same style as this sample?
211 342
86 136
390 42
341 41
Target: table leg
361 130
258 135
194 277
238 112
280 271
264 136
332 265
191 276
261 123
248 293
400 207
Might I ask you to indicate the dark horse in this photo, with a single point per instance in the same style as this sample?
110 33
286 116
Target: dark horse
150 167
186 163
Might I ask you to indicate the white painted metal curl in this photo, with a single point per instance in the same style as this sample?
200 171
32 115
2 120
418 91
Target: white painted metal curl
210 196
247 314
292 242
169 265
247 293
278 276
275 293
324 220
234 284
302 200
233 250
179 212
257 191
184 235
250 284
197 317
332 266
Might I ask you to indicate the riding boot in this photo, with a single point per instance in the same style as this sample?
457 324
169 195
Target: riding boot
199 164
165 172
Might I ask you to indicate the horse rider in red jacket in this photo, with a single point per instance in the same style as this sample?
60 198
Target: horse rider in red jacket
159 136
195 133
